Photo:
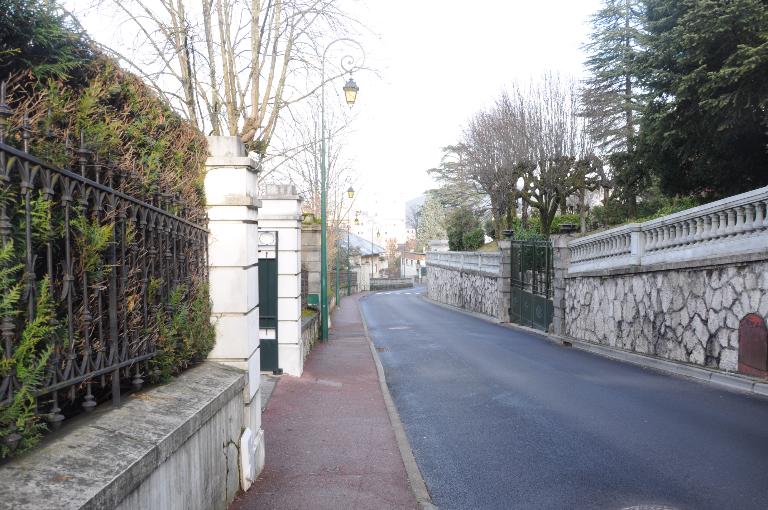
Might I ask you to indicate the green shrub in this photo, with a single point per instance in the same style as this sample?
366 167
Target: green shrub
473 239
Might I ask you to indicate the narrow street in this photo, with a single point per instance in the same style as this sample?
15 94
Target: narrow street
503 419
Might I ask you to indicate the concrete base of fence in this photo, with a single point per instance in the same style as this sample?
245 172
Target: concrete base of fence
175 446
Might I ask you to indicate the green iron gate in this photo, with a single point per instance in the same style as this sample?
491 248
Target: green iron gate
268 312
531 303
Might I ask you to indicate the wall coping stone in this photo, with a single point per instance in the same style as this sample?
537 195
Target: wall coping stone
102 457
306 322
725 260
474 272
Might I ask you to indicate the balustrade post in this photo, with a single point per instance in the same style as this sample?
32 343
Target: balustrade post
636 244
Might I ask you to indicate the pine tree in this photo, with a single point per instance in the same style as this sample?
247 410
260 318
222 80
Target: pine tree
611 99
706 67
431 221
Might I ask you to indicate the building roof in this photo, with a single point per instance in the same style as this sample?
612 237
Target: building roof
364 246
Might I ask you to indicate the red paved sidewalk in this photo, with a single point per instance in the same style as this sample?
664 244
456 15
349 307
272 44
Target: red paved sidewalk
329 441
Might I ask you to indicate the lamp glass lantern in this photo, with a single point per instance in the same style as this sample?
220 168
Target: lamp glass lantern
351 192
350 91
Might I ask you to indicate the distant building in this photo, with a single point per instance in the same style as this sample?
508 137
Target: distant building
366 258
411 263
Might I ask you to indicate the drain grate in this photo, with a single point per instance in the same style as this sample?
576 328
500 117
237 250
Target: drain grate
381 349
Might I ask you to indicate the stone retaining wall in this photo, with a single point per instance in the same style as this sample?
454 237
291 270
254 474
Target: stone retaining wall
175 446
676 287
474 291
689 315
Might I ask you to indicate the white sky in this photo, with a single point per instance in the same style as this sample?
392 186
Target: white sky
439 61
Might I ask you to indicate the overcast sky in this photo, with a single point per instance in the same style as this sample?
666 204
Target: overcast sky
438 62
441 61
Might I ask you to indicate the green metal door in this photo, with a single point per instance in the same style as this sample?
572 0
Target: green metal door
531 301
268 312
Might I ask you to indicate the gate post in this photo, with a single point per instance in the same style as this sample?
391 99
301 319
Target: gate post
505 280
281 213
561 259
230 190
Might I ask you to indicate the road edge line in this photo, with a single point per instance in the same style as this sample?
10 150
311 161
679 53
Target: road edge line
723 380
412 471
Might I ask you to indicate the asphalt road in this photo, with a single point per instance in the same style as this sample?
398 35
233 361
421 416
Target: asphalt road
503 419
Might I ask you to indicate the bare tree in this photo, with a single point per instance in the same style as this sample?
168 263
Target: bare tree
230 66
560 158
301 167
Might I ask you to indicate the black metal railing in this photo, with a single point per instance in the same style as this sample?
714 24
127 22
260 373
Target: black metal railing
304 287
109 263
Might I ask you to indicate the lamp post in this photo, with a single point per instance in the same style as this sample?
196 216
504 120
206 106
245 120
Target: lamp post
350 95
351 195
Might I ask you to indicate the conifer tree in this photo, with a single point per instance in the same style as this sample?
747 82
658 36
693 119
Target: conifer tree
611 98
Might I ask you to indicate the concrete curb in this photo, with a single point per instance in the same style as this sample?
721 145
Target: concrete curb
727 381
415 480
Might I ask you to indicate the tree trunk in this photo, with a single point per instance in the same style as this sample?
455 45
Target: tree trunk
524 216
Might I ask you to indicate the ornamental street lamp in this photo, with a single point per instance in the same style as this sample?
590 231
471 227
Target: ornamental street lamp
350 194
350 95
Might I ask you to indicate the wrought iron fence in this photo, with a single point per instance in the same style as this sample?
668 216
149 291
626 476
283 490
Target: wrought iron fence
304 287
532 266
109 265
531 281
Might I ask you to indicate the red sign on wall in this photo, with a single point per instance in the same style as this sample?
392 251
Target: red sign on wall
753 346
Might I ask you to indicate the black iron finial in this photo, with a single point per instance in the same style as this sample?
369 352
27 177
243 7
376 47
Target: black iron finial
26 131
5 111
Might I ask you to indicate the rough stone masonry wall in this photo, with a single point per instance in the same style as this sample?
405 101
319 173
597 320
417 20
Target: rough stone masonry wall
689 315
471 290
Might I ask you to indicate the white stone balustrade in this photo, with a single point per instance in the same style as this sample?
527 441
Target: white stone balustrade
736 225
489 263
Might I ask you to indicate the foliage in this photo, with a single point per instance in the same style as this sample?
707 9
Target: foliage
91 239
28 361
36 35
10 286
185 332
431 221
67 87
459 222
652 204
610 98
705 70
473 239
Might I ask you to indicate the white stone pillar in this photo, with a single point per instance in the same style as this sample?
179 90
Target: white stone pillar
505 279
230 190
280 216
561 260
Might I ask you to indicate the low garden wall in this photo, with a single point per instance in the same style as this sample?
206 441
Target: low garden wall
175 446
310 333
390 283
468 280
